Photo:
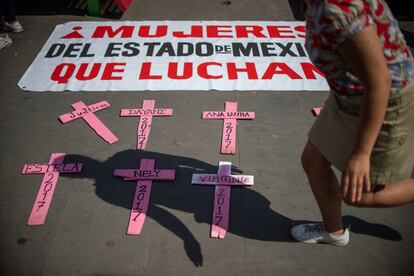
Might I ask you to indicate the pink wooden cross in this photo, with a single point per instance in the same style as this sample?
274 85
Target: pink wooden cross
87 113
230 116
316 111
145 121
223 180
144 176
47 188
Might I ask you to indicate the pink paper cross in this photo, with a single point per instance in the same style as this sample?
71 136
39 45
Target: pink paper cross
144 176
47 188
145 121
87 113
230 117
223 180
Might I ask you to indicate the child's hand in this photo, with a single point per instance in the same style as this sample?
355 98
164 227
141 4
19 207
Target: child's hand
355 178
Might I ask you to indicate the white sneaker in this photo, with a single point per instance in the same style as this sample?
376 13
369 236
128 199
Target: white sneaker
5 41
315 232
14 27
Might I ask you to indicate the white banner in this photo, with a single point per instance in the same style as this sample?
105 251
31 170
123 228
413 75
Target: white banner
174 55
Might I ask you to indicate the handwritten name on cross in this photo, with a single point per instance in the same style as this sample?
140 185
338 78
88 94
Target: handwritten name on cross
145 121
87 113
222 180
230 117
51 173
144 176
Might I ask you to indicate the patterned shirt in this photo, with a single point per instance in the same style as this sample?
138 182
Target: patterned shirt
331 22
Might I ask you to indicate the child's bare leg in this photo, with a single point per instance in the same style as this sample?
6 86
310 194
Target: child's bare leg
393 194
325 188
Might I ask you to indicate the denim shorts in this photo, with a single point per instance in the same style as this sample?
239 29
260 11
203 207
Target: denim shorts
334 133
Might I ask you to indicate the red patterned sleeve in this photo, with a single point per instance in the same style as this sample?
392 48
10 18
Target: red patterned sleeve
340 19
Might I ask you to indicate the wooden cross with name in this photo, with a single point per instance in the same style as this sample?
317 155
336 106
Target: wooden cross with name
230 117
51 173
145 121
87 113
144 176
222 180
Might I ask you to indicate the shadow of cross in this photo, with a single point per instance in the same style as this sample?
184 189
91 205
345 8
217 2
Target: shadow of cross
230 117
223 180
145 121
87 113
47 188
144 176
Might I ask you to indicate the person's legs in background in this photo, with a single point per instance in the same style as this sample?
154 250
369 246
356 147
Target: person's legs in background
10 20
4 38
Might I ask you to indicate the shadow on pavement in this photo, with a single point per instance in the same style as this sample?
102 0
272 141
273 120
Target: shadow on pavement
360 226
250 214
295 7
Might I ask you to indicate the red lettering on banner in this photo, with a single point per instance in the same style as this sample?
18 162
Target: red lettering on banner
250 69
196 31
278 32
280 68
111 68
161 31
216 31
301 30
233 72
209 31
75 33
309 69
81 74
67 69
173 71
183 71
202 70
100 31
244 31
145 73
